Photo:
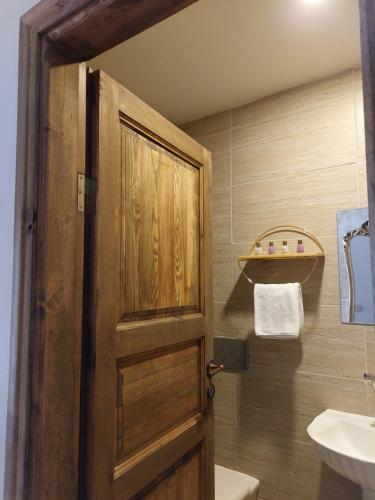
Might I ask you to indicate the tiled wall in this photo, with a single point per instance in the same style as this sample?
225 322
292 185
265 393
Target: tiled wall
293 158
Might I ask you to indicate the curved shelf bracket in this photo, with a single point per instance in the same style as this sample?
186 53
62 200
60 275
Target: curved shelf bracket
283 229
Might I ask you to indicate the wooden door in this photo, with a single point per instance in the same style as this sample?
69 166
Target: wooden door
149 421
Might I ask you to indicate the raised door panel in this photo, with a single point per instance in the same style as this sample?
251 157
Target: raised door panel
160 230
158 395
184 481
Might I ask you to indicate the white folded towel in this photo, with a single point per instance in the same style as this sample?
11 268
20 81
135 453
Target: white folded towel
278 310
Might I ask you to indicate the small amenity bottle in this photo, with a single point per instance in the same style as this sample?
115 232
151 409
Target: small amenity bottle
300 247
285 248
271 248
258 249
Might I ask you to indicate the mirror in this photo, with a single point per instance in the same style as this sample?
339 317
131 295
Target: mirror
355 267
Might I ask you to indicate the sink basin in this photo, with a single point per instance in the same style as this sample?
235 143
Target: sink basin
346 443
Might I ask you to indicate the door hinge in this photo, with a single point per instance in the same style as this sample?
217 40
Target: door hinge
85 194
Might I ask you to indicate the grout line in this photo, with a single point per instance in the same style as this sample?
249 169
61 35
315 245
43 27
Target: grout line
231 173
323 375
306 172
236 409
231 201
366 358
368 385
336 377
307 443
356 137
330 235
235 402
365 346
220 189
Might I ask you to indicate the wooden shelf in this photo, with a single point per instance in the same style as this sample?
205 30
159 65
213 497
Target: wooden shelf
315 256
281 256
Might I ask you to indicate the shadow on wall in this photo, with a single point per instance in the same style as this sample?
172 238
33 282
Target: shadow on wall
272 443
266 390
328 484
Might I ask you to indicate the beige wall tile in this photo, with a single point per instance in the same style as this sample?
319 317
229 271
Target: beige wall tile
275 151
208 125
330 347
225 445
223 319
243 319
362 183
323 285
306 99
242 291
337 354
221 170
360 122
370 348
295 132
321 352
291 470
218 143
222 216
370 367
312 199
222 272
225 398
271 403
371 399
213 133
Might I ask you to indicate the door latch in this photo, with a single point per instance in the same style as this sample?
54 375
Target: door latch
213 369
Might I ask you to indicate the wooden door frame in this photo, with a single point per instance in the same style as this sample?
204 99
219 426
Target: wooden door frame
367 20
44 393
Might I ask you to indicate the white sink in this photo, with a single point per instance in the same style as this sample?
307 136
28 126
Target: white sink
346 443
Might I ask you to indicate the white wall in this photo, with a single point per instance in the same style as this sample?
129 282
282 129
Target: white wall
10 12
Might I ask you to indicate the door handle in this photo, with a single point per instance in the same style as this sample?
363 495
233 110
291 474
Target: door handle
213 369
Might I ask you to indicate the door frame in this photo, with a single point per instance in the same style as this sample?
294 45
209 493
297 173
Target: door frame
47 291
47 308
367 25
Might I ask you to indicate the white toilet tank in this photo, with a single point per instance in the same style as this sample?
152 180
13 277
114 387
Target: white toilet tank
233 485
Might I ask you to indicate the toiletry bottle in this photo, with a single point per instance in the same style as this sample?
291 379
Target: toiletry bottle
271 248
285 248
300 247
258 249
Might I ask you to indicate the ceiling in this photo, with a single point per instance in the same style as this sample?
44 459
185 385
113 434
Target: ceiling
219 54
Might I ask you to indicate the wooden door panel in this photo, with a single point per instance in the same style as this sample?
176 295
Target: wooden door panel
160 226
173 453
183 481
156 394
140 336
150 306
